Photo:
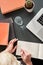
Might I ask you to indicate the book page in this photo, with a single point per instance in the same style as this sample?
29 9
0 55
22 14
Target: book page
40 51
30 47
4 33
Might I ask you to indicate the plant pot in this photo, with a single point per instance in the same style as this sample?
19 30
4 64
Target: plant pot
30 9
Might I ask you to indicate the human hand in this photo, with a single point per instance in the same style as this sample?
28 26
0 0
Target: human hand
10 48
26 57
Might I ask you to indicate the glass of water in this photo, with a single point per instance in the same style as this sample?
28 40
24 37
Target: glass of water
19 21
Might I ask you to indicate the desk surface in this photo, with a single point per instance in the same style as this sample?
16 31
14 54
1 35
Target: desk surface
24 34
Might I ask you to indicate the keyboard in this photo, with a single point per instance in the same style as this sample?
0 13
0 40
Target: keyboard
40 20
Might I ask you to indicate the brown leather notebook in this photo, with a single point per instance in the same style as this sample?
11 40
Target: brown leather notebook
4 33
11 5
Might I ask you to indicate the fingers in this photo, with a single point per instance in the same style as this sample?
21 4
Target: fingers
14 49
13 41
25 53
22 52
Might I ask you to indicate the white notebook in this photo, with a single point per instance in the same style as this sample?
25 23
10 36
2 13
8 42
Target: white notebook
36 49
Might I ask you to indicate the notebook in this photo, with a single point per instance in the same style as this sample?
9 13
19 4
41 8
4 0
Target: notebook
12 34
4 33
11 5
35 49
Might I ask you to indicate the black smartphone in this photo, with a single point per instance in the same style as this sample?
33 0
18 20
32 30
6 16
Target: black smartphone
15 44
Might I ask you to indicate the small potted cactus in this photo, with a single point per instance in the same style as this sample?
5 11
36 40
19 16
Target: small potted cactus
29 5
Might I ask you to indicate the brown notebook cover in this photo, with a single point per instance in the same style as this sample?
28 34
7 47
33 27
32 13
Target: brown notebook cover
11 5
4 33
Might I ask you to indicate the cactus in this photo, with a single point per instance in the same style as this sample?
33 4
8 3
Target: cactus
29 4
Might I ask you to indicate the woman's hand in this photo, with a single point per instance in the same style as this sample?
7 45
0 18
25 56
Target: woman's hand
26 57
10 48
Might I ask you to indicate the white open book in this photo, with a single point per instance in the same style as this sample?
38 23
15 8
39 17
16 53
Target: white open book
35 49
